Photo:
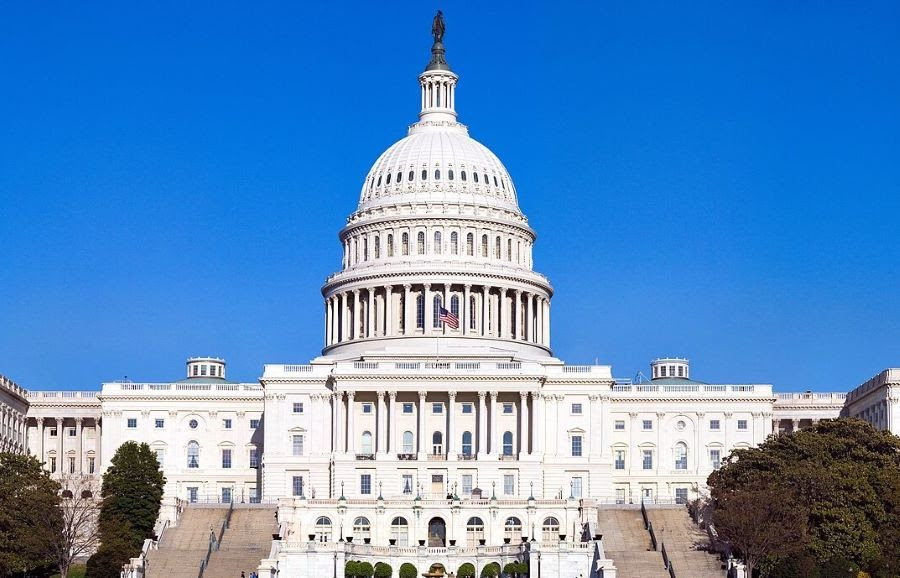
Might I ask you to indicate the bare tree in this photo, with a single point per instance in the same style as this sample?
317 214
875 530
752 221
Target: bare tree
75 535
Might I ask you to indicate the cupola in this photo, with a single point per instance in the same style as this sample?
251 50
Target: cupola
668 367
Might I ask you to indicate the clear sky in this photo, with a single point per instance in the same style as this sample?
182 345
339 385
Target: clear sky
716 180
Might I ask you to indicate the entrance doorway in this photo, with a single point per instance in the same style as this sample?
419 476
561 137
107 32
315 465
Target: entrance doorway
437 533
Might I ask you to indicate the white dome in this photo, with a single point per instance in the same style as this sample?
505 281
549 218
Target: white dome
438 164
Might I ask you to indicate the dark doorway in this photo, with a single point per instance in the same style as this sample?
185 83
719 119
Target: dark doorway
437 533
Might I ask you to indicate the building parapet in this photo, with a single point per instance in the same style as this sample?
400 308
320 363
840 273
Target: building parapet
755 390
13 387
188 388
287 371
887 377
68 395
809 398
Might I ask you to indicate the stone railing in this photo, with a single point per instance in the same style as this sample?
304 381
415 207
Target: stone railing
649 387
127 387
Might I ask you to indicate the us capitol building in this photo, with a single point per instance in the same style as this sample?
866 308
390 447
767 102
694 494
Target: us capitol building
437 421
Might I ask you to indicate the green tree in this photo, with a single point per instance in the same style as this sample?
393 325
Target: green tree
407 570
365 570
841 474
351 569
490 570
466 570
383 570
132 491
30 520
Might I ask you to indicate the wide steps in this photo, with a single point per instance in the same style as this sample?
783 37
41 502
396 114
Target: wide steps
627 543
686 544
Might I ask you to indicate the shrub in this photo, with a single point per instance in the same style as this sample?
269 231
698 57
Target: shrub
383 570
365 570
490 570
466 570
351 569
407 570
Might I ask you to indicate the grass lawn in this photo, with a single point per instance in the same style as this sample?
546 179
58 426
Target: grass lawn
76 571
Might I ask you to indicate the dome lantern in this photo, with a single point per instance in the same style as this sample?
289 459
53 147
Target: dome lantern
438 82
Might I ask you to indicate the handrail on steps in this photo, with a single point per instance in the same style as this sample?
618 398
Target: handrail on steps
214 542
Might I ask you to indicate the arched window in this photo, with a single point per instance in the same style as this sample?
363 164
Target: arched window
474 531
420 311
450 174
509 249
497 248
484 246
365 445
512 529
400 531
388 181
486 180
438 305
437 443
470 244
390 247
475 177
424 174
454 243
496 184
454 306
437 174
519 252
323 528
420 243
407 442
362 529
379 181
462 175
680 456
410 176
365 248
404 244
437 242
377 247
472 316
193 455
467 443
399 177
507 443
550 529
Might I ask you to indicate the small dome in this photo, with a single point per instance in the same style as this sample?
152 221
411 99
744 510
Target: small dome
438 164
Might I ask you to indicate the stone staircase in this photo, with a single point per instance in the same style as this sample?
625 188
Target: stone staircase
627 543
183 547
247 540
685 543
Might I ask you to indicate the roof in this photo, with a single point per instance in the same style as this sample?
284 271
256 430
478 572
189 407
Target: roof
676 381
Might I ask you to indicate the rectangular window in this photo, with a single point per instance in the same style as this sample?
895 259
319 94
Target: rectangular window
297 486
297 445
52 465
576 488
467 408
714 424
159 423
576 409
298 407
226 495
192 490
71 432
437 408
160 456
132 423
254 458
90 465
620 495
681 494
71 465
507 408
254 424
620 425
226 423
576 446
407 484
620 459
365 484
467 484
647 424
509 484
53 433
254 495
367 408
715 458
226 459
648 459
407 408
742 425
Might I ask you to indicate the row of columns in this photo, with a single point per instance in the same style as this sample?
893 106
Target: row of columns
438 93
487 442
369 313
60 437
12 430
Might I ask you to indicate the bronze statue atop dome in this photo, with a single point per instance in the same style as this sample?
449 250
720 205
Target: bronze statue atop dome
437 27
438 61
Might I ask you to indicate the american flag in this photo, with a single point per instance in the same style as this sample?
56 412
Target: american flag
450 319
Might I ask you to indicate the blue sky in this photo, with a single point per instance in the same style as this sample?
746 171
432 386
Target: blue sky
715 180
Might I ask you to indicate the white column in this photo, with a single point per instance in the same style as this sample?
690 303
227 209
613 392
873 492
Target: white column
524 447
97 434
493 426
381 416
596 423
539 425
59 443
451 425
370 318
503 325
357 313
547 323
340 432
632 449
700 450
429 309
351 429
529 321
420 436
327 323
605 424
485 293
388 310
725 424
40 435
482 423
392 425
464 322
516 311
79 458
657 466
342 312
408 324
